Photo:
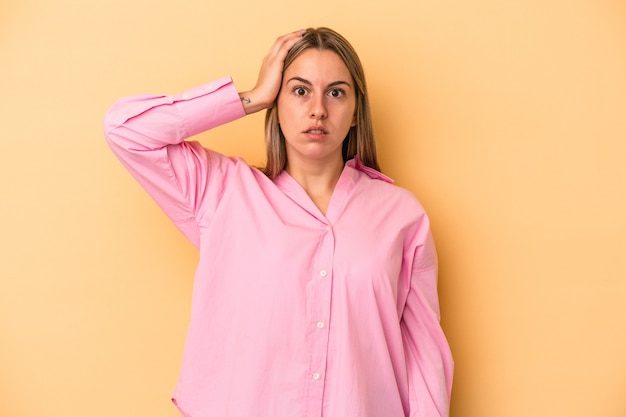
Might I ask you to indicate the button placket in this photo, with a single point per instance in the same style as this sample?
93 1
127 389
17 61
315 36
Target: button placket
321 287
319 290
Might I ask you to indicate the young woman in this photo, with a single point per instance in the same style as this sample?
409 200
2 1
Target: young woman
316 289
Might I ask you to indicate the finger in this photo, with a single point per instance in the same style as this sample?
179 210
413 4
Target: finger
285 42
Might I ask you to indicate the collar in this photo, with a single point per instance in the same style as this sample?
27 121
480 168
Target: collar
370 172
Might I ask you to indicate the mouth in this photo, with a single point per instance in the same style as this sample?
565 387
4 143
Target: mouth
316 130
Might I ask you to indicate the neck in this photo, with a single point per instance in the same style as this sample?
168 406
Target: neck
317 178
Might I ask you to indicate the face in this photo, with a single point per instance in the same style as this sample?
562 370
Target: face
316 106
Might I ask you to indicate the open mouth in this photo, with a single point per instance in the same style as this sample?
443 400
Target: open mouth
316 130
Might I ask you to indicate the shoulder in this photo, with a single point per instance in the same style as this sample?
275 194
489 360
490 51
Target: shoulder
381 190
233 170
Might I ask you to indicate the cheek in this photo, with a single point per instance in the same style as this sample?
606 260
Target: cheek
285 121
286 115
350 116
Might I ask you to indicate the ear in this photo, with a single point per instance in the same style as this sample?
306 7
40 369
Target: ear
353 121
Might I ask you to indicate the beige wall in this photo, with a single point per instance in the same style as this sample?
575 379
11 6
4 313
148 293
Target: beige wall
506 118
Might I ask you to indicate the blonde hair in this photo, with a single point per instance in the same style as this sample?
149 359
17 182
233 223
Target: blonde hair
360 139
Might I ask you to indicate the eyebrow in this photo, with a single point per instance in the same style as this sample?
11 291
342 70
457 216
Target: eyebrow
307 82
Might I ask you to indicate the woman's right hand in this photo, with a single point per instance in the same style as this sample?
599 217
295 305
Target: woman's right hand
264 93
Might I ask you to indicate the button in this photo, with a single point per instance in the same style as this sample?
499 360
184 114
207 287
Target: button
323 272
316 376
320 325
329 227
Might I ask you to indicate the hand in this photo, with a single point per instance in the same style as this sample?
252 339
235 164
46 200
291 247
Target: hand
264 93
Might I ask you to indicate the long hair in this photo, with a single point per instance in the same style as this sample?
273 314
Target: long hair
360 138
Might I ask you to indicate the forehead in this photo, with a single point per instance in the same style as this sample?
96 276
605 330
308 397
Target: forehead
314 64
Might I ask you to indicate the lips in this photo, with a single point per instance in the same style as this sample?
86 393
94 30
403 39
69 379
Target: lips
316 130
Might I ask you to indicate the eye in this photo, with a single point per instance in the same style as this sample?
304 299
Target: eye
336 92
300 91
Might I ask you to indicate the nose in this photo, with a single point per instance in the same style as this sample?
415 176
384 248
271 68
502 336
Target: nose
318 108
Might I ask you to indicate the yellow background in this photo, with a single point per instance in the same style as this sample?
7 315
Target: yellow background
507 118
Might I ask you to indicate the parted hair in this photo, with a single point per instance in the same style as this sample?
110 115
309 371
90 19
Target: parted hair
360 139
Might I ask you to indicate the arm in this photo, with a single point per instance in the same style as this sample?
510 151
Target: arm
147 134
428 356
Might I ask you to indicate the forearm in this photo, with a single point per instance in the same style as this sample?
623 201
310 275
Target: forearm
252 103
154 121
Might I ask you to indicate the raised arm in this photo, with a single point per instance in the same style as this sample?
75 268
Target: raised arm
147 133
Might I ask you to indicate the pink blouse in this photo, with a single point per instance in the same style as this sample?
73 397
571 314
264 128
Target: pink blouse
293 313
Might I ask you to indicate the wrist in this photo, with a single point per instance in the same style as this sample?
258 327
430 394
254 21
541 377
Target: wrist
251 103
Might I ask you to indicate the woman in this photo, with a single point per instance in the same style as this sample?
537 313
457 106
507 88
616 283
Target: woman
316 289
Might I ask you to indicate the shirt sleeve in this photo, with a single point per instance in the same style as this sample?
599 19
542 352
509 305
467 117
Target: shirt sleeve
147 133
428 356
